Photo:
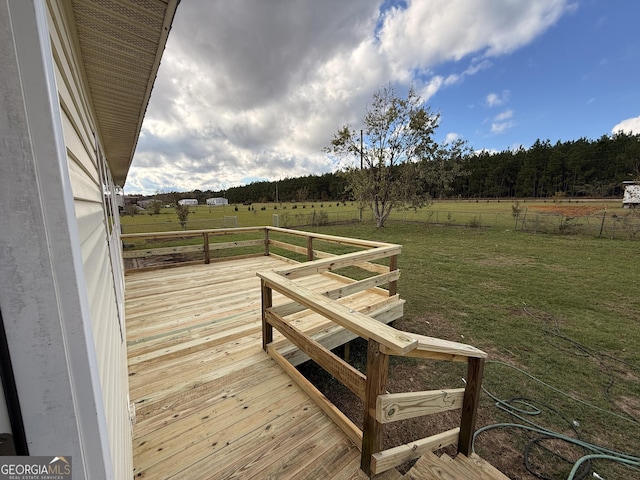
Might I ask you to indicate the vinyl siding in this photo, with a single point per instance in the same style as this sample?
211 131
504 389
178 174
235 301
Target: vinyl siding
103 276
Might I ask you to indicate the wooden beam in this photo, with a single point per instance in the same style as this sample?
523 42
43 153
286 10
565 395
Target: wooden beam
267 302
310 249
470 404
339 418
266 242
393 266
342 371
207 255
372 430
331 238
192 233
392 407
396 341
393 457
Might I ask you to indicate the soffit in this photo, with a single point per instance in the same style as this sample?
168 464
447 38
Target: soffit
121 43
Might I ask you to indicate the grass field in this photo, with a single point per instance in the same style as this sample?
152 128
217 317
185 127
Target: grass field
562 309
595 218
560 312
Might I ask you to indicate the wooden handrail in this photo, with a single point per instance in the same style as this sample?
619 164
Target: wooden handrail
363 325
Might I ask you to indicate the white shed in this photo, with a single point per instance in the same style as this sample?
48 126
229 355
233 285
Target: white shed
217 201
631 197
188 201
75 81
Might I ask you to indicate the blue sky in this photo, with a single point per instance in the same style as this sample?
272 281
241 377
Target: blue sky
254 89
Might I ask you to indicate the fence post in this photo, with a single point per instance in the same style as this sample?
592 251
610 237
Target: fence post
604 214
267 302
266 242
207 255
372 430
470 402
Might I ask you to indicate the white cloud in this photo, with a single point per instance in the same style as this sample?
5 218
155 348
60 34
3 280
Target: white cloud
249 90
502 122
630 126
451 137
495 99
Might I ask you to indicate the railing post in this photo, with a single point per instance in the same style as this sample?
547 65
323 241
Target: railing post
266 242
267 302
207 255
393 266
475 368
377 372
310 248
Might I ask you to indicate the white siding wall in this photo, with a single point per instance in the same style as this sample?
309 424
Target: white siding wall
104 276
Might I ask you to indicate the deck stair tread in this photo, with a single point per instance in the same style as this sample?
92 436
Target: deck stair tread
430 466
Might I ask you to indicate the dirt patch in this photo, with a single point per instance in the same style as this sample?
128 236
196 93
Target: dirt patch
569 211
629 405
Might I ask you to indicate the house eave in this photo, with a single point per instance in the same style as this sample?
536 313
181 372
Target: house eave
121 44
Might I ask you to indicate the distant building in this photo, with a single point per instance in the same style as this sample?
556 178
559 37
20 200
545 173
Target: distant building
217 201
188 201
631 198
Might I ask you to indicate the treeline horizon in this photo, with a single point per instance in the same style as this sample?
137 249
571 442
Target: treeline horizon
573 169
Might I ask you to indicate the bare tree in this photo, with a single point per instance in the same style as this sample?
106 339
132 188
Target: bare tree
397 135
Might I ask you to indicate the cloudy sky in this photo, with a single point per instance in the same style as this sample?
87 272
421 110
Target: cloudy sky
254 89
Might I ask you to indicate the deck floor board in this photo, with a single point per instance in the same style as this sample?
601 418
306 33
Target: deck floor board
210 403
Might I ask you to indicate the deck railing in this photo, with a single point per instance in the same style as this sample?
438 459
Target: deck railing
383 340
380 261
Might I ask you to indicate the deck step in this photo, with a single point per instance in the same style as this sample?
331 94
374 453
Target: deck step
430 466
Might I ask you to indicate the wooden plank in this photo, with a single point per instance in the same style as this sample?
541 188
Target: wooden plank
331 238
431 467
393 457
239 243
438 349
341 420
342 371
193 233
151 252
333 263
288 246
487 467
395 340
372 430
392 407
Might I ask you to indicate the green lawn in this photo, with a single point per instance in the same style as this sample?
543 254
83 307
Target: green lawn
563 309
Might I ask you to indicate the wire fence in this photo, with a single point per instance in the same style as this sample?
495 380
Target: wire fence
619 226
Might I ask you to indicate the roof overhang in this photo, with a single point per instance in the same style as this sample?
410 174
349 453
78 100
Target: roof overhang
121 44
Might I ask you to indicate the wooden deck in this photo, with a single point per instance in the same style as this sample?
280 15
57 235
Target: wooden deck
210 403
